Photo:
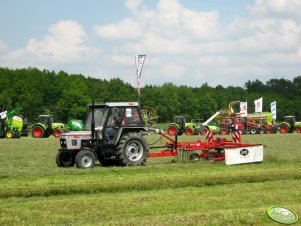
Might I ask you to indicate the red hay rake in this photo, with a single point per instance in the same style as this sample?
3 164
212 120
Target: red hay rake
212 149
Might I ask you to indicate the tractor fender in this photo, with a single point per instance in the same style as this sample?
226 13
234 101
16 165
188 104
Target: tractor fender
122 131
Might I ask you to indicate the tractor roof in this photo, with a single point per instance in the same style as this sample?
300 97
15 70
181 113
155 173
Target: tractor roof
115 104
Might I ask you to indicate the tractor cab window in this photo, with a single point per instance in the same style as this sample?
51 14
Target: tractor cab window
132 117
99 118
115 117
44 120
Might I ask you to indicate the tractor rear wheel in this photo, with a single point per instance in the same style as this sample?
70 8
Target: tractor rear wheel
283 128
64 159
172 130
224 131
132 150
37 132
204 131
57 133
253 130
85 158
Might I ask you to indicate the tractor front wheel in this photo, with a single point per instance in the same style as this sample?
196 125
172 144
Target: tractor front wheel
85 158
188 131
9 134
64 159
283 128
298 129
37 132
132 150
57 133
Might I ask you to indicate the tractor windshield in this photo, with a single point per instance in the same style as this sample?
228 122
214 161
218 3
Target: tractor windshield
99 118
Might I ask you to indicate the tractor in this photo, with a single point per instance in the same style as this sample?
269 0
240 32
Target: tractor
45 126
238 123
265 122
113 135
12 125
289 125
180 126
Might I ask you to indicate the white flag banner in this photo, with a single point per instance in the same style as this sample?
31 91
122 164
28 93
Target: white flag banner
3 114
258 105
244 108
273 110
139 64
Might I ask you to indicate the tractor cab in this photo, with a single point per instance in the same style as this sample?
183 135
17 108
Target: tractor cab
46 120
113 135
109 121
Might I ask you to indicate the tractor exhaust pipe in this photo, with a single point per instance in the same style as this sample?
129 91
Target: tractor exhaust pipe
93 121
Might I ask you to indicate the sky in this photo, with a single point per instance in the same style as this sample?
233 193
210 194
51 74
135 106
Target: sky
186 42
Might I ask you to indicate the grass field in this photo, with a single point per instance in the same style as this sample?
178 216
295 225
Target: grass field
34 191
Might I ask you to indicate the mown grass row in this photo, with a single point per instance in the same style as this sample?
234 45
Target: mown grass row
228 204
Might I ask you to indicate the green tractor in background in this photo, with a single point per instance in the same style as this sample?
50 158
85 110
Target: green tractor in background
180 126
289 125
12 125
46 126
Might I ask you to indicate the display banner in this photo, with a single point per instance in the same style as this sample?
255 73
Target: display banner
258 105
3 114
243 155
243 108
273 110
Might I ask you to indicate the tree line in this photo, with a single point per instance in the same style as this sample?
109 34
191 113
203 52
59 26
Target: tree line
66 95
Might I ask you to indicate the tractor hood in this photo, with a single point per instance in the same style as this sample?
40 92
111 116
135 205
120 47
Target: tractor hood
77 135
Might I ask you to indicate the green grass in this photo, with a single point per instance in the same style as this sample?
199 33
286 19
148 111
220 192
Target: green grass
34 191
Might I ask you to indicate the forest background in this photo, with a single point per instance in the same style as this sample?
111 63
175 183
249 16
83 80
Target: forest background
66 95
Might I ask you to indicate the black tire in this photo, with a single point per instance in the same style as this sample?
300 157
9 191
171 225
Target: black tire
85 158
210 156
194 157
253 130
64 159
132 150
